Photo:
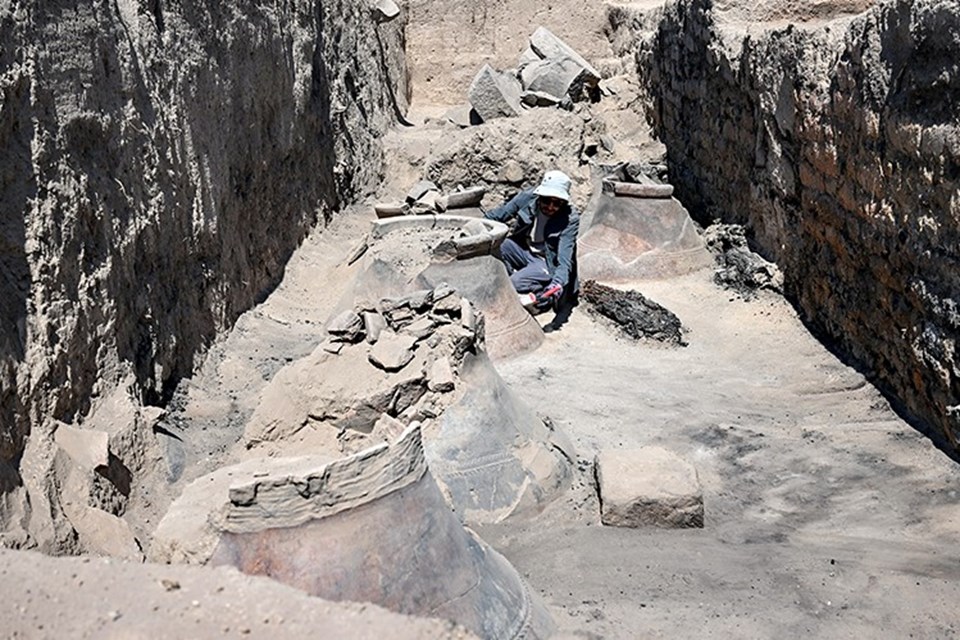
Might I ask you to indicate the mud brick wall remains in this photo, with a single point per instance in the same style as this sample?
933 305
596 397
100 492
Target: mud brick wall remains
838 143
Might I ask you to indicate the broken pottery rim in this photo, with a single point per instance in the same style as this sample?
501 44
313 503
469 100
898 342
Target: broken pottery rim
485 243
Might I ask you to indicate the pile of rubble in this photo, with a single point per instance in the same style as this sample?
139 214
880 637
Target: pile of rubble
397 360
549 74
637 179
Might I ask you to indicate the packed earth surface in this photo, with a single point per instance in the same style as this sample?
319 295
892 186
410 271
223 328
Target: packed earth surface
826 502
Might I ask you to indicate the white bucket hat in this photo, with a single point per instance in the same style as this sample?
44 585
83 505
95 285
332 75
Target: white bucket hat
555 184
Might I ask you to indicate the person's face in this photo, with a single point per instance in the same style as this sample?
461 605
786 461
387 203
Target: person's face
549 206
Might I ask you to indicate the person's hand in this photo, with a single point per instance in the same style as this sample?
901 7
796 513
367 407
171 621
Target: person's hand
549 296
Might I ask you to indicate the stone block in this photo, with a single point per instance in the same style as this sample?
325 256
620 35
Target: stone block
347 326
649 486
549 46
373 324
388 427
420 328
420 189
392 352
494 94
553 77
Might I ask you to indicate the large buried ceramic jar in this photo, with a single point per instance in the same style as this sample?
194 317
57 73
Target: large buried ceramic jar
371 527
639 232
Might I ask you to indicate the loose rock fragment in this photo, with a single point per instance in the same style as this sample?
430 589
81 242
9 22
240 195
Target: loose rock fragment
388 427
468 318
420 189
494 94
347 327
648 487
385 10
333 347
419 300
373 324
449 305
420 328
511 172
441 291
392 352
440 376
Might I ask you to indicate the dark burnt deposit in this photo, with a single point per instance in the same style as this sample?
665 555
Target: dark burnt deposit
633 313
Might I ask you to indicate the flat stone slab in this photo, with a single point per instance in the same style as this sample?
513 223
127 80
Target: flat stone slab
392 352
648 487
545 44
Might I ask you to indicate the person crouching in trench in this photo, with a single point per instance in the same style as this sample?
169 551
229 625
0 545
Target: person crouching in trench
540 252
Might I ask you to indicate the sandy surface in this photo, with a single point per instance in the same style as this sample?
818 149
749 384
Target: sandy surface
107 598
826 514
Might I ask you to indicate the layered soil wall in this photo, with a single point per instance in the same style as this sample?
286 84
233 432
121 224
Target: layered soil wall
838 143
160 162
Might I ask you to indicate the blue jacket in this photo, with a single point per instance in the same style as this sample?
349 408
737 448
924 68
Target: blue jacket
560 235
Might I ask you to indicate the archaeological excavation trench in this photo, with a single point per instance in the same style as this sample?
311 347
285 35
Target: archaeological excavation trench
260 361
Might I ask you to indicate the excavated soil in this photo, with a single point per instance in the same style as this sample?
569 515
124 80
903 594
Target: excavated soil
826 514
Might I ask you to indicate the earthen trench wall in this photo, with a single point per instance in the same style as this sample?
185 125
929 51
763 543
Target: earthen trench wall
160 162
838 145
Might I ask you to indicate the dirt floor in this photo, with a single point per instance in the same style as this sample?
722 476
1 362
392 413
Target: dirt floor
826 514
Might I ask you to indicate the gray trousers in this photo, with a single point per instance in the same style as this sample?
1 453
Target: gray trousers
528 271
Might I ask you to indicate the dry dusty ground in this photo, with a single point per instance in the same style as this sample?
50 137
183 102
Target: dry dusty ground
44 597
826 514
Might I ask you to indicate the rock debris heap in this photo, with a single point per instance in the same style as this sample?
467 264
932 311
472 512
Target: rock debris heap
425 197
738 268
396 361
549 74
